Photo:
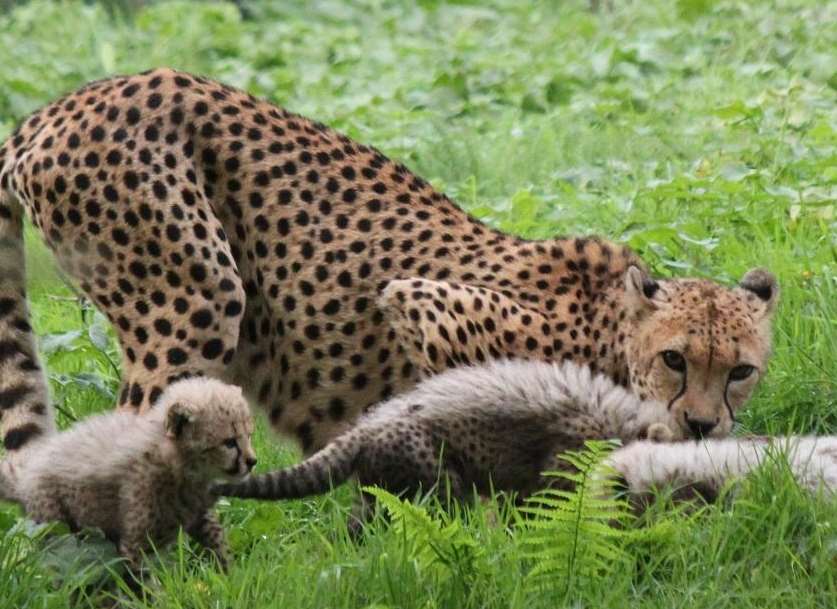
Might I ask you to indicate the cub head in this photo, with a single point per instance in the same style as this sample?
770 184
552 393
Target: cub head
698 347
210 424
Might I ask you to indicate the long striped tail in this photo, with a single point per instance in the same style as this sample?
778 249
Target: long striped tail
330 467
25 412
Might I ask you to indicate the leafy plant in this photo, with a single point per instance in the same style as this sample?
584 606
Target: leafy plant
576 534
439 544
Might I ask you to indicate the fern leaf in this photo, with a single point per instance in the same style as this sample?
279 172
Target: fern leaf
440 545
571 534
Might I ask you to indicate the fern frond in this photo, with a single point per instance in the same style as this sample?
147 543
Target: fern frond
578 533
438 544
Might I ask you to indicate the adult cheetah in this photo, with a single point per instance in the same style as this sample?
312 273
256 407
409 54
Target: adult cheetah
226 237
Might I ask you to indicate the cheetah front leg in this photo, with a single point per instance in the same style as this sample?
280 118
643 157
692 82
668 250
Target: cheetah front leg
137 509
133 541
208 531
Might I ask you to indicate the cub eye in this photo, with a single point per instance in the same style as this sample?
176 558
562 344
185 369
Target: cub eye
739 373
674 360
231 443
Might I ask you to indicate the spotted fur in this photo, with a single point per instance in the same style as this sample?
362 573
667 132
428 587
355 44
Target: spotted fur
225 237
703 468
496 426
139 478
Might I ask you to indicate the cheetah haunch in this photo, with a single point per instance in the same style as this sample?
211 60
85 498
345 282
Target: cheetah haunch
140 478
495 427
225 237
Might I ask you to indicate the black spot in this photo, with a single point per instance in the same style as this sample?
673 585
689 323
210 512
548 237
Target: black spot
136 394
159 190
130 90
110 193
198 272
212 348
176 356
133 115
233 308
150 361
163 326
202 318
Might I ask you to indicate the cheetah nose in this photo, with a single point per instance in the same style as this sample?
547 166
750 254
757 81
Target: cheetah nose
251 463
700 428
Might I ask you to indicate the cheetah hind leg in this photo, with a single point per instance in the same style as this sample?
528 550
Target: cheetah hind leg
172 321
362 512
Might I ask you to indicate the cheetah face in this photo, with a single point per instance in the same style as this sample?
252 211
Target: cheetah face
698 347
212 428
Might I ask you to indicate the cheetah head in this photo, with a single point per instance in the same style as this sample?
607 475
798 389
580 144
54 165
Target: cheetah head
698 347
210 424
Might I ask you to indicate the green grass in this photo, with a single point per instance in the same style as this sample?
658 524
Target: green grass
702 132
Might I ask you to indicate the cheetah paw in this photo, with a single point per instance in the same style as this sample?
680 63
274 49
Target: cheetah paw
659 432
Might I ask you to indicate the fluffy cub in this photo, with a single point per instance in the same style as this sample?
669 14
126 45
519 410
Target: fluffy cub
702 468
140 477
497 426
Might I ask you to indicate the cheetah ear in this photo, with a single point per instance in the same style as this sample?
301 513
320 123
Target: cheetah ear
761 290
642 293
440 325
180 415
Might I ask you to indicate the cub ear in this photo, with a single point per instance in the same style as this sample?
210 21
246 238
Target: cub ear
761 290
642 293
441 325
179 417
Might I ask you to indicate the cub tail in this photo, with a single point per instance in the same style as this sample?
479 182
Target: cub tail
25 413
329 467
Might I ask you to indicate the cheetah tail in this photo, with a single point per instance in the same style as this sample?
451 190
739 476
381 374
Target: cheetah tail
25 413
329 467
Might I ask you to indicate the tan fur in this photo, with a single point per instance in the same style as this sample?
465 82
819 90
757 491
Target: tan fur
140 477
226 237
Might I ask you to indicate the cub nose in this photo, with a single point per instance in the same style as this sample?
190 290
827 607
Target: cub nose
251 463
700 428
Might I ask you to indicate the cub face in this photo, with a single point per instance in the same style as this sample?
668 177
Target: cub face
698 347
211 426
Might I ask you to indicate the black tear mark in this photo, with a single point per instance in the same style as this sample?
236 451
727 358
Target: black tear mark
681 392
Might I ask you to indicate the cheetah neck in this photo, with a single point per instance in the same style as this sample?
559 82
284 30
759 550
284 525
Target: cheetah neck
615 330
577 285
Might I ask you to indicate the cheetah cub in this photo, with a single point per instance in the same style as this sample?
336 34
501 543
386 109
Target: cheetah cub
140 477
701 468
497 426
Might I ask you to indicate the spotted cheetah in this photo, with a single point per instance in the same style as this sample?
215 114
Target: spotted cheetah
223 236
140 477
494 427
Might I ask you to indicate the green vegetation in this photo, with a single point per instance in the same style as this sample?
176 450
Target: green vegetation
702 132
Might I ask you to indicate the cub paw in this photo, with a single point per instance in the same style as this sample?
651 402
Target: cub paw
660 432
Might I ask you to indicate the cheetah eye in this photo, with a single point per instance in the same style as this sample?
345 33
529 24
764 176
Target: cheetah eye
231 443
739 373
674 360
